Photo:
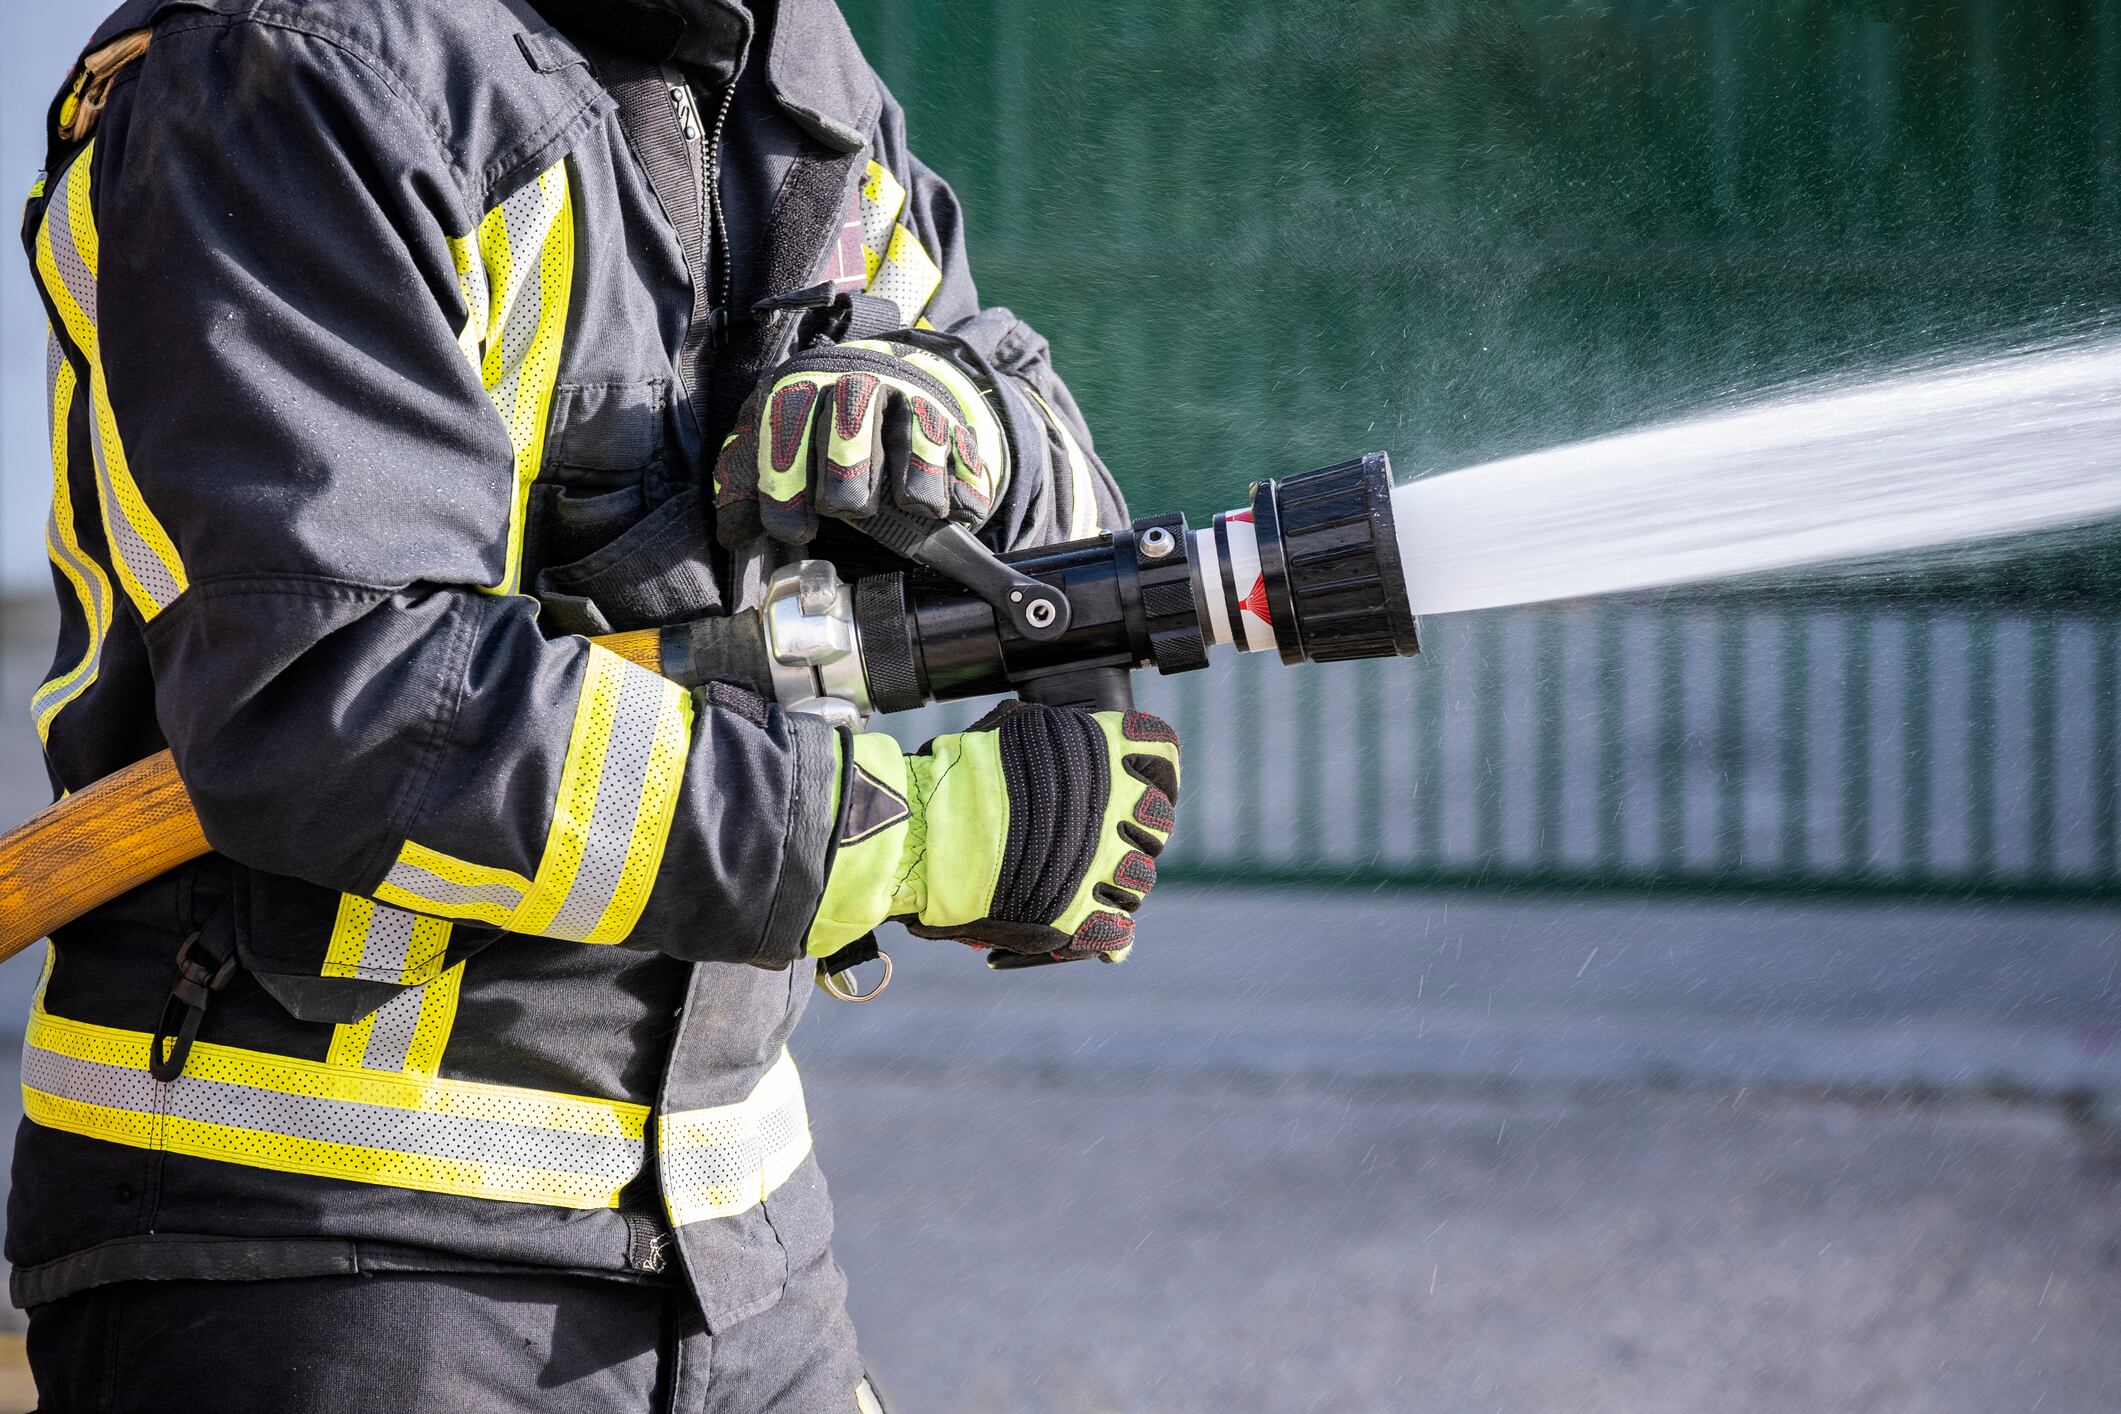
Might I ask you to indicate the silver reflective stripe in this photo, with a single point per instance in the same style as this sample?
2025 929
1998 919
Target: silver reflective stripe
442 893
629 748
722 1161
66 253
600 1162
87 578
527 219
387 943
396 1023
138 557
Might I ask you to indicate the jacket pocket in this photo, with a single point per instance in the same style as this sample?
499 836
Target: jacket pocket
325 956
602 427
656 572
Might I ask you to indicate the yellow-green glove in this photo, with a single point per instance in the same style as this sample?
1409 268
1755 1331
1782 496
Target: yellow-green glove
1036 831
841 430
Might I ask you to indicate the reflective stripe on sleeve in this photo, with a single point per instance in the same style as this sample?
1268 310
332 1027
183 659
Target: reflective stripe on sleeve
296 1116
722 1161
899 266
67 257
92 592
618 793
516 274
1082 490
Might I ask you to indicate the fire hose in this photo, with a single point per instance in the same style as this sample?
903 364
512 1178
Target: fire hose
1309 569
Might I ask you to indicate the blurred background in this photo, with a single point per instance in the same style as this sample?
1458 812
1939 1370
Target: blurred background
1701 1000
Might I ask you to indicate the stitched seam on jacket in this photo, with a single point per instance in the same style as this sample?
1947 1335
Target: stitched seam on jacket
440 721
421 777
503 164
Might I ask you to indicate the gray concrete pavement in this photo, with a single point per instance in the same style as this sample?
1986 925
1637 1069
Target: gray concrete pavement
1199 1244
1445 1154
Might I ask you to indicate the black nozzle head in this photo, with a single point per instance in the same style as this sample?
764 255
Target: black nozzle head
1329 556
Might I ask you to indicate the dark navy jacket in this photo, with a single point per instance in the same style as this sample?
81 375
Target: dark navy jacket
373 389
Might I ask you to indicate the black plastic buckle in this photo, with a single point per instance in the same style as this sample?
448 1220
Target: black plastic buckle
196 983
831 315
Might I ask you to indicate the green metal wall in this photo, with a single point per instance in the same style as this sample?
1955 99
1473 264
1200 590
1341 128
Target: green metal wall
1263 237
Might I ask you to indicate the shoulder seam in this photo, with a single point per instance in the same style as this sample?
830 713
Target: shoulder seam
473 188
346 44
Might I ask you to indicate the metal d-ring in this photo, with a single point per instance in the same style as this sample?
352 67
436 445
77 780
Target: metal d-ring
837 987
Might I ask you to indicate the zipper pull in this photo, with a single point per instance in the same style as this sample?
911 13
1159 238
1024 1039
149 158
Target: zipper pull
688 111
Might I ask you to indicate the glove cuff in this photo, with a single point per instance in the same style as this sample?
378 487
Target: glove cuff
878 825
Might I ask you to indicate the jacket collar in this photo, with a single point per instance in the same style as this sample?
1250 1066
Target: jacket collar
813 65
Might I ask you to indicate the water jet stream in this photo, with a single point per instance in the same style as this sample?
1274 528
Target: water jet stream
1938 456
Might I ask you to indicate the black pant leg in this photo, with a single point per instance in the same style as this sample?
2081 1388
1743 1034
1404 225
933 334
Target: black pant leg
797 1358
470 1344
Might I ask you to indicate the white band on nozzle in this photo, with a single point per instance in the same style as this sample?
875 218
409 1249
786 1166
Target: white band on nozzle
1208 575
1239 589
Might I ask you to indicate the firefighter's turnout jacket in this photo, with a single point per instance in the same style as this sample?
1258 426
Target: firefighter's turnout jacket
391 345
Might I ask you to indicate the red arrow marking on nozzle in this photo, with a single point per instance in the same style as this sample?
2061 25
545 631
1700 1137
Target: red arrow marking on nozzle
1255 603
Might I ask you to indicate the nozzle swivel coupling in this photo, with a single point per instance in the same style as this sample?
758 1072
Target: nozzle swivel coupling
1310 568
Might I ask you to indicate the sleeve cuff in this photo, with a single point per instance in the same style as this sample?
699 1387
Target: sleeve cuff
805 857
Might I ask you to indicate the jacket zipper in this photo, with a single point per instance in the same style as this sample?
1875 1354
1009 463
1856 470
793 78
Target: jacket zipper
709 145
713 166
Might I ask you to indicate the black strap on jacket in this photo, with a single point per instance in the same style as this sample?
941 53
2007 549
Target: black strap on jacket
725 356
202 970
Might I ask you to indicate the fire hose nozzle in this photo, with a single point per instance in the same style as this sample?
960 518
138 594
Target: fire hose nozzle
1309 568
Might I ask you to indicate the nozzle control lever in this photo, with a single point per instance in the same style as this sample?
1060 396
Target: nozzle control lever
1037 611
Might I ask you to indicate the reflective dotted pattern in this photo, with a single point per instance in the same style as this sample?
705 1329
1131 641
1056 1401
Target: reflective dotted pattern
67 253
618 792
294 1116
719 1162
899 267
515 272
92 591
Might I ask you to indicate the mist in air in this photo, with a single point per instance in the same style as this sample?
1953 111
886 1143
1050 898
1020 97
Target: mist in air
1918 461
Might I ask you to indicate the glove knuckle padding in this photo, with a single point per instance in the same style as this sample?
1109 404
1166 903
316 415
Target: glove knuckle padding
848 482
835 430
1057 768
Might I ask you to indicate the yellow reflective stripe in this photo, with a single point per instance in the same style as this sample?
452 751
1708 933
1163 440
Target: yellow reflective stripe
898 267
384 944
907 276
297 1116
882 201
69 253
722 1161
610 824
471 284
91 587
433 882
435 1014
1082 489
517 300
407 1034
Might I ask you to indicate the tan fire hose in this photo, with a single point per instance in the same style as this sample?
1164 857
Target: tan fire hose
132 826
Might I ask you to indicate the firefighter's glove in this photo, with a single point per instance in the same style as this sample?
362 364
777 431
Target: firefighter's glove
845 429
1035 831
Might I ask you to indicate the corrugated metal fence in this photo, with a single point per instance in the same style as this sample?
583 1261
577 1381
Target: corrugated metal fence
1906 750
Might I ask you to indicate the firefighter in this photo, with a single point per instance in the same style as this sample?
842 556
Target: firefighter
398 349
